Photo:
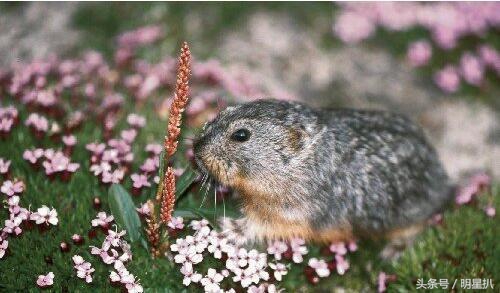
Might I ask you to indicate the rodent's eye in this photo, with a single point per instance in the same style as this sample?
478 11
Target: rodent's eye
241 135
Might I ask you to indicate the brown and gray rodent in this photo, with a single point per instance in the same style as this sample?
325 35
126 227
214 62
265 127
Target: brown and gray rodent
324 175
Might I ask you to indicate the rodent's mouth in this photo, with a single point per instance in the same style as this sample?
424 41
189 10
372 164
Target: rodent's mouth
212 167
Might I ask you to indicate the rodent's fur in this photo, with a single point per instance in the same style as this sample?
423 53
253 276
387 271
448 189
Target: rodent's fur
325 175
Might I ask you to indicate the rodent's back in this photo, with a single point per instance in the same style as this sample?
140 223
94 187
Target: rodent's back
382 171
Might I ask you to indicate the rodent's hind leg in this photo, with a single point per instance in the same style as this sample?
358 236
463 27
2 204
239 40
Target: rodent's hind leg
399 240
235 230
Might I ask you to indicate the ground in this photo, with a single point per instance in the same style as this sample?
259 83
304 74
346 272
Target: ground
462 127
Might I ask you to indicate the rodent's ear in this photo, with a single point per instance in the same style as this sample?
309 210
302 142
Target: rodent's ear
296 138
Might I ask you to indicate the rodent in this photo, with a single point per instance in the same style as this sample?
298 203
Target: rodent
324 175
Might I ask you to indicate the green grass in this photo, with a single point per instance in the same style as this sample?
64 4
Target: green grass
466 246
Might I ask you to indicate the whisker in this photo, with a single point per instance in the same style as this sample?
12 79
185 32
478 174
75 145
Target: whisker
215 201
224 207
205 195
203 180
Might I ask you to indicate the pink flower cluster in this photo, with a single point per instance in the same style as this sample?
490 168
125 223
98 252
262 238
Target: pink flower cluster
447 22
247 268
148 169
8 119
54 162
116 251
18 215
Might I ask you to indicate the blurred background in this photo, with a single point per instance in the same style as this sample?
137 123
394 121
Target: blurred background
436 62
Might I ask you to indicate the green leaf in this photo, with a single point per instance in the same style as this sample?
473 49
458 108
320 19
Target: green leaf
123 209
161 170
185 180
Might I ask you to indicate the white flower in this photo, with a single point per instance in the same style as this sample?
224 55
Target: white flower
189 274
279 270
211 282
45 215
197 225
113 239
189 256
298 249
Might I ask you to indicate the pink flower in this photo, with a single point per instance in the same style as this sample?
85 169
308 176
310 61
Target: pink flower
320 266
4 244
140 180
342 264
45 215
135 120
4 166
128 135
144 209
10 188
471 69
383 279
352 246
102 220
419 53
12 226
148 86
154 148
69 140
113 239
445 37
490 57
140 36
96 148
84 269
277 248
45 280
114 177
338 248
176 223
32 156
466 193
38 122
6 124
490 211
298 249
150 165
352 28
447 79
198 225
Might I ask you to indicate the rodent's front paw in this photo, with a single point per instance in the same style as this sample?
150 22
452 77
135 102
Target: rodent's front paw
233 230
